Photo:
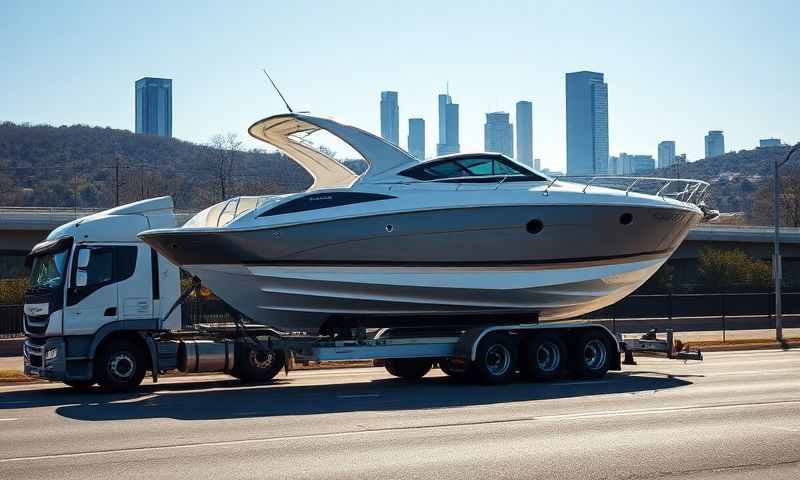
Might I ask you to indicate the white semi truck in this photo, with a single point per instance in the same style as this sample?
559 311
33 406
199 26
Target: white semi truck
104 308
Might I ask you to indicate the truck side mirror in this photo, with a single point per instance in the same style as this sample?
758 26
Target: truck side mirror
81 278
84 254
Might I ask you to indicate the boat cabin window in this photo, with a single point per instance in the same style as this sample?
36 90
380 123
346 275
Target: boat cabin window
472 169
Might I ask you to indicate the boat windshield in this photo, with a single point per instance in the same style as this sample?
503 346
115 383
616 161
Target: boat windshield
48 270
472 168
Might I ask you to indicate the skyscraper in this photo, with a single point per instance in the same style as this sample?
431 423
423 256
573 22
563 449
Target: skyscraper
416 138
635 164
154 106
498 134
769 142
537 164
525 133
448 126
715 143
666 153
390 117
587 123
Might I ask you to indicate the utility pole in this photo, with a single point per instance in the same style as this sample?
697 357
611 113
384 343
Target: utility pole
116 183
777 270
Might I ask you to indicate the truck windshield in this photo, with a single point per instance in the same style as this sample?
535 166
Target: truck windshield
48 270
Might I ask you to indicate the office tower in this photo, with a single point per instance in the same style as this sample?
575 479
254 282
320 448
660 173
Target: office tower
154 106
715 143
498 134
390 117
666 153
525 133
769 142
587 123
416 138
614 167
448 126
537 164
636 164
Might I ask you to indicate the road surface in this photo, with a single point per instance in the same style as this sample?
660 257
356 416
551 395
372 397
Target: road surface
734 416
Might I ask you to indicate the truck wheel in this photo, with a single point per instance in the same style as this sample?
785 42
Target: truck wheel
591 355
446 366
408 368
120 366
80 385
253 365
496 359
545 356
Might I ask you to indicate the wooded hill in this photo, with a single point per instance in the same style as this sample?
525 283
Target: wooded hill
60 166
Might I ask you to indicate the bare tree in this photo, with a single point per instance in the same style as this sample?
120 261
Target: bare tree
223 161
762 212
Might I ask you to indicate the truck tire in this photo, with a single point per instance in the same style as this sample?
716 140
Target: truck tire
80 385
120 366
446 367
411 369
253 365
545 356
591 354
495 360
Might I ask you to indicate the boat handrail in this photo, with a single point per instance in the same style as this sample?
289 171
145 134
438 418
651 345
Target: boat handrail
693 191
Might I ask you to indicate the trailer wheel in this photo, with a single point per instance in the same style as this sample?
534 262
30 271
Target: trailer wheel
545 356
120 366
592 355
408 368
254 365
80 385
495 360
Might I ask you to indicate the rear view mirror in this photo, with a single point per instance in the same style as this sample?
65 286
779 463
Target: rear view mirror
84 254
81 278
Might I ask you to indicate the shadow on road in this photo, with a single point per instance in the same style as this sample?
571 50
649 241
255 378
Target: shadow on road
226 399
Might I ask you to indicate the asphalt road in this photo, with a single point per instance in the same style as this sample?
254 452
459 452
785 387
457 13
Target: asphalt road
734 416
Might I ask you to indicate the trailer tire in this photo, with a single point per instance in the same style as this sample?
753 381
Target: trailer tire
495 360
545 356
120 366
253 365
591 355
80 385
446 367
411 369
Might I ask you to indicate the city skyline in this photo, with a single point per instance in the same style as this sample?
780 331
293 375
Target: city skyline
651 97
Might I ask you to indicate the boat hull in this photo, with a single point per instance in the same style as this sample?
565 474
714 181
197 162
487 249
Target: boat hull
311 297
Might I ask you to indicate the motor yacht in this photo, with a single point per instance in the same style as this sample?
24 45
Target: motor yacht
457 240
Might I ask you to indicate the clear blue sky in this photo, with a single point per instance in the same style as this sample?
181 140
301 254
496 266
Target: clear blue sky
675 69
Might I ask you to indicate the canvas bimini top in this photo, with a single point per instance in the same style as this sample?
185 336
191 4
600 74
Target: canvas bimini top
383 158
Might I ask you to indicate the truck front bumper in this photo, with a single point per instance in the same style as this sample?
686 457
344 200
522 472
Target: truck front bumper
45 359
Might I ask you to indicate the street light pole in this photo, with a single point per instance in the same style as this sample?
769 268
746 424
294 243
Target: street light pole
777 270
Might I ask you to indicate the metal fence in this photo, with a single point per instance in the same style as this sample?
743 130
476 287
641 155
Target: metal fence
11 321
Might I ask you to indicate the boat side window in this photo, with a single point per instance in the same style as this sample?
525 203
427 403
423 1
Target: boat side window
319 200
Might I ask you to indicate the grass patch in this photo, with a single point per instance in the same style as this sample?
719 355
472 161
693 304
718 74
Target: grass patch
12 375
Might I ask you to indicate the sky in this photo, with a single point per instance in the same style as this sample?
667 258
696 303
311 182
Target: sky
674 69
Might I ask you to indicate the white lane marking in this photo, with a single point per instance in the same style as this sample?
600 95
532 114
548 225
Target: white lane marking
254 441
363 395
8 419
650 411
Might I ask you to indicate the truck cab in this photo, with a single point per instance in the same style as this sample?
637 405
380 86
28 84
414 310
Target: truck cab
97 291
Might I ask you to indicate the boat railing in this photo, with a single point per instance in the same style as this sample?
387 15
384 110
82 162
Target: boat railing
684 190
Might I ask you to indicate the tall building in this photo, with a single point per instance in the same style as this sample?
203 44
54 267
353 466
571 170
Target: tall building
614 166
769 142
448 126
666 153
498 134
715 143
154 106
587 124
635 164
537 164
416 138
525 133
390 117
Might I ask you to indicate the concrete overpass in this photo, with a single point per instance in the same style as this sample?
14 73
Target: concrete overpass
21 228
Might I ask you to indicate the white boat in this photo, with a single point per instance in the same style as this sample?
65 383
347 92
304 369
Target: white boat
457 240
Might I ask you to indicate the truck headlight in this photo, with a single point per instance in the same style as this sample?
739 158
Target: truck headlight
51 354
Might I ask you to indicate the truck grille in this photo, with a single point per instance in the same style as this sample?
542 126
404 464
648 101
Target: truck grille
36 325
